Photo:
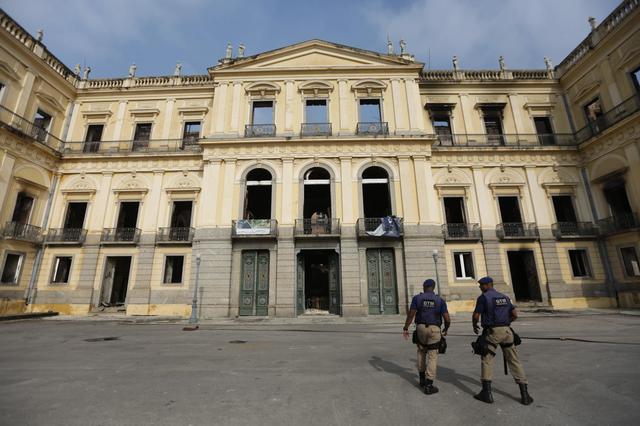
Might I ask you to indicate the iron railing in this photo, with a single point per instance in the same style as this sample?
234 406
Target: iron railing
517 230
23 232
461 231
152 145
317 227
372 128
259 130
511 140
619 223
175 235
609 118
120 235
574 230
254 228
27 128
65 235
389 226
315 129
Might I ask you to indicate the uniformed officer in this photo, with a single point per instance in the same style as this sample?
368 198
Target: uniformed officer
496 313
431 309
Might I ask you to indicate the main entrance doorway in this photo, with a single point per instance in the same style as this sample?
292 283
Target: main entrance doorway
381 282
115 281
254 286
317 285
524 276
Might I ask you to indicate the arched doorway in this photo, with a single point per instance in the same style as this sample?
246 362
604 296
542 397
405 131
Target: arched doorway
258 192
376 197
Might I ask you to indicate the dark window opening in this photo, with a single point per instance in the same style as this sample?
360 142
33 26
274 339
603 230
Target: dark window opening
61 269
635 76
317 194
316 279
142 136
579 263
442 127
510 210
316 111
630 261
593 110
369 111
173 269
524 275
75 215
563 207
128 215
11 268
257 202
116 281
376 197
492 118
616 195
464 264
93 137
22 210
454 210
191 131
262 112
544 130
181 214
42 120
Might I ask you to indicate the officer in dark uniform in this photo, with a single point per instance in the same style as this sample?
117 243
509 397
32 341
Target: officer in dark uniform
431 309
496 312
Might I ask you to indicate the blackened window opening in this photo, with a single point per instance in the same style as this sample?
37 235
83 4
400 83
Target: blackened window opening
316 286
141 136
317 194
563 207
257 203
75 215
62 267
181 215
616 196
454 210
376 197
492 118
173 269
544 130
22 210
93 137
510 210
579 263
128 216
42 120
11 270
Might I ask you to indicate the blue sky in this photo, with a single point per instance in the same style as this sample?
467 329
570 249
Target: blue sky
155 34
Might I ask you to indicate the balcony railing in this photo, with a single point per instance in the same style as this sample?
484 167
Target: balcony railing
152 145
175 235
259 130
510 140
372 128
517 231
315 129
22 232
27 128
65 236
317 227
619 223
389 226
574 230
120 235
461 231
619 112
254 228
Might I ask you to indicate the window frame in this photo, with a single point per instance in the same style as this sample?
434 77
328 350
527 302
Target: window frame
585 109
164 269
54 267
184 129
66 212
586 259
624 266
312 99
572 198
371 98
459 255
41 111
634 79
252 112
18 274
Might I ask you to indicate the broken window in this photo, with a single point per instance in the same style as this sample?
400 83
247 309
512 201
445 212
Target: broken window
563 207
630 261
616 195
22 210
369 111
181 214
442 127
464 265
93 138
593 110
510 209
141 136
191 131
579 263
262 112
317 194
61 269
257 201
376 198
42 122
75 215
11 268
635 76
454 209
127 221
173 269
492 117
544 130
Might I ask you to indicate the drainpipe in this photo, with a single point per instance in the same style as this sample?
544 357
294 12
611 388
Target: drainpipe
30 296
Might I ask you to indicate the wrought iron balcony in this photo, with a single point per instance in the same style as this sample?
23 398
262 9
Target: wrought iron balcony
317 227
112 147
574 230
380 227
508 140
619 223
120 236
27 128
254 228
65 236
373 128
517 231
461 231
315 129
621 111
259 130
175 235
22 232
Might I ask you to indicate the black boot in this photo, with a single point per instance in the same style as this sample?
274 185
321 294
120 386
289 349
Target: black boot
429 389
422 379
525 398
485 394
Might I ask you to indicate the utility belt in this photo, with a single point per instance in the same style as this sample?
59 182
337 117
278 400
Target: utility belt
483 347
440 346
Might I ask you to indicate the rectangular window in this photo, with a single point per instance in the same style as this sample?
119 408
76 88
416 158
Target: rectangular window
22 210
262 112
316 111
61 269
593 110
191 130
510 210
464 265
42 120
173 269
492 118
75 215
141 136
11 268
181 214
579 263
93 137
454 209
635 76
563 207
369 111
544 130
128 215
630 261
615 192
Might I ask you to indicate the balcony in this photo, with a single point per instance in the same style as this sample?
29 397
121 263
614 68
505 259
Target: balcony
120 236
574 230
175 235
372 128
28 129
317 228
508 140
65 236
315 129
254 228
461 231
380 227
621 111
517 231
114 147
22 232
259 130
619 223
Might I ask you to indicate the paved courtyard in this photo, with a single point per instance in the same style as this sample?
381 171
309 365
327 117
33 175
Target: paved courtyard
64 373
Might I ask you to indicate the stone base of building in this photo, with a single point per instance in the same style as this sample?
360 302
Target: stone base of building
12 306
61 308
583 302
168 310
629 299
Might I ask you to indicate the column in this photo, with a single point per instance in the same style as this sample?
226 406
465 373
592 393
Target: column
68 133
347 190
398 114
27 87
514 103
288 212
208 205
168 118
343 95
414 105
6 170
152 207
408 189
427 197
226 205
117 130
235 107
464 107
288 106
220 107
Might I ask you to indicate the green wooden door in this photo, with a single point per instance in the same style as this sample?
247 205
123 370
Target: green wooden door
381 282
254 286
300 285
334 285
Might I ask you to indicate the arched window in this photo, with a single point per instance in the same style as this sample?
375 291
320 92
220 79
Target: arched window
376 196
317 193
257 200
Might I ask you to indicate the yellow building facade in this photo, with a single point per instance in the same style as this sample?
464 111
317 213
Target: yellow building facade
319 179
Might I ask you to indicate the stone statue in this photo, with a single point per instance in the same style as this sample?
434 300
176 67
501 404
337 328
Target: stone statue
178 70
389 46
241 51
85 75
456 67
132 70
592 23
403 47
39 35
548 64
76 70
229 51
501 63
